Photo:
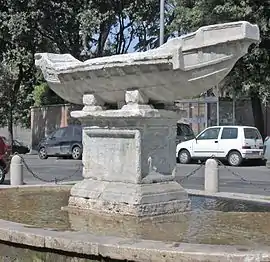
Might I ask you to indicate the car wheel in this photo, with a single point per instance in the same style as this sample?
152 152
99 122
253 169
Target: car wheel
2 174
76 153
42 153
235 158
184 157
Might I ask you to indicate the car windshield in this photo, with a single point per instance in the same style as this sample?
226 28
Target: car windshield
4 140
184 130
17 143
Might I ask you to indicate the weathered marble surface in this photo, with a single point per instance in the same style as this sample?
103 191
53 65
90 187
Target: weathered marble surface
129 154
182 67
129 160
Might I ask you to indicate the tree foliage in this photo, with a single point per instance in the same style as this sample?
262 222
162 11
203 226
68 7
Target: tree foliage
17 47
92 28
251 74
43 95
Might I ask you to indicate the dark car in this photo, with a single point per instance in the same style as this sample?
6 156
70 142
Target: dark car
65 141
184 132
19 147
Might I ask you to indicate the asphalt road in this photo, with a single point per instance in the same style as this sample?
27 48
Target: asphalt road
244 179
258 177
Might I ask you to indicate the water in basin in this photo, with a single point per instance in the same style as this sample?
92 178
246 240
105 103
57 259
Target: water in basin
211 221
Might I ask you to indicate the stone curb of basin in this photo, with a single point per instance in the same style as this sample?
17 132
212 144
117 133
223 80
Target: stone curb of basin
228 195
194 192
125 249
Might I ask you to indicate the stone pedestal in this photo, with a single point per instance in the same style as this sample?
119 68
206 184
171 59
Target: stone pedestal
129 160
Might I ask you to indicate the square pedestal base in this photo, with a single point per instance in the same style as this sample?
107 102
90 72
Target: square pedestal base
129 162
129 199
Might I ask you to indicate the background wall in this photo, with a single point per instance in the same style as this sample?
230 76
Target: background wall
199 113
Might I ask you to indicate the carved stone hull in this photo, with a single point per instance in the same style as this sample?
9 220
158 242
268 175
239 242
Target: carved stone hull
182 67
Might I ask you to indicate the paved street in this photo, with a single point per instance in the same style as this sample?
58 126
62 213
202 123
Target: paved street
53 168
50 169
259 176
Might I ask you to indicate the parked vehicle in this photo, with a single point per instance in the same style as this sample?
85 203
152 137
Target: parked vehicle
7 145
4 160
184 132
65 141
234 143
17 146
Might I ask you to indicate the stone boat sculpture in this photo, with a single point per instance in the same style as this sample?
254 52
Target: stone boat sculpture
182 67
129 153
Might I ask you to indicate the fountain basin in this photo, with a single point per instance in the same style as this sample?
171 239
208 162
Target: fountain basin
205 234
182 67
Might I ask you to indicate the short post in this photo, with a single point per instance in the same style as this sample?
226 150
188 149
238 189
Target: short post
211 176
16 171
267 164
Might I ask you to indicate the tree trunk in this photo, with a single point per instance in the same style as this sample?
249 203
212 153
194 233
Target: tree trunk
10 127
257 112
105 28
13 102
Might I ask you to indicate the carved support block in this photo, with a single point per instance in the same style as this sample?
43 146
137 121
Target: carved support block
92 102
136 97
129 165
134 151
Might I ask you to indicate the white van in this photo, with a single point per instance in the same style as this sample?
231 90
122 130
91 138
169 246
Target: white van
234 143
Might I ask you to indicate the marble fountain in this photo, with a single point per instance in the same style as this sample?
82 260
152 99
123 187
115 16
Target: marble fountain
128 207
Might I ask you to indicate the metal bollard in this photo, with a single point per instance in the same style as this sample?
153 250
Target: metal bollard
16 171
211 176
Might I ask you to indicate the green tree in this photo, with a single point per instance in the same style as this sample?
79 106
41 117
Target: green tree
110 27
251 74
43 95
97 28
57 25
17 47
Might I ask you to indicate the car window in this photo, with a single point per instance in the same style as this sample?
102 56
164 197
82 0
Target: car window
229 133
16 143
59 133
211 133
4 139
77 131
252 133
179 130
68 131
